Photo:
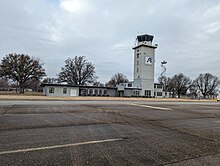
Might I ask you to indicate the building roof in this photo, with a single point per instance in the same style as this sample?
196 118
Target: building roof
76 86
133 88
158 83
144 45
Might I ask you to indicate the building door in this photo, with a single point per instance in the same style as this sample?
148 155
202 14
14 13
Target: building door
73 92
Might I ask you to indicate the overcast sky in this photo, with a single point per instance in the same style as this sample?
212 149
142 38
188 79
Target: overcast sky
187 33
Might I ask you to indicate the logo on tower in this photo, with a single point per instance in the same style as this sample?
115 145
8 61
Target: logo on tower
148 60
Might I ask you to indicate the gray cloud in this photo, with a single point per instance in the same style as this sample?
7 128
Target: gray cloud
188 33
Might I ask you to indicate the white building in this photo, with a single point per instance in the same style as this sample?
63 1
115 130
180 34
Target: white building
142 86
77 90
144 63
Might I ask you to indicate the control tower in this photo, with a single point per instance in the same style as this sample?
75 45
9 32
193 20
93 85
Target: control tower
144 62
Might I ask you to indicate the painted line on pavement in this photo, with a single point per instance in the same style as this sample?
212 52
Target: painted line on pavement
60 146
148 106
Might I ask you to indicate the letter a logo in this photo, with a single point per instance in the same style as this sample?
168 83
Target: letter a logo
148 60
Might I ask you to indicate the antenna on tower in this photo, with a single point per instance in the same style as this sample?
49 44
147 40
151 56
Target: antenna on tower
163 63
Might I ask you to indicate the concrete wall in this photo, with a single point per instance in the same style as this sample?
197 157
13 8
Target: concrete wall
112 92
143 72
128 92
74 91
58 91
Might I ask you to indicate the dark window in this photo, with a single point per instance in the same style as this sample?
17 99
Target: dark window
105 92
137 63
137 70
64 90
137 50
51 90
84 92
137 56
136 93
159 86
100 92
148 93
159 93
96 92
129 85
90 91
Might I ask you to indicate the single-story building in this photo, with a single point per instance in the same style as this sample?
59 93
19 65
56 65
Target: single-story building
77 90
122 90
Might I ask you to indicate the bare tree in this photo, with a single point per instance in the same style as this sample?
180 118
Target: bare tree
207 84
98 84
34 84
165 81
21 68
77 71
179 84
116 79
4 84
50 80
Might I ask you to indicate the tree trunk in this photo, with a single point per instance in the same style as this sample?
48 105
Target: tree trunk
21 88
178 94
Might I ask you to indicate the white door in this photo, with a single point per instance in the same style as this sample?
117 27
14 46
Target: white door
73 92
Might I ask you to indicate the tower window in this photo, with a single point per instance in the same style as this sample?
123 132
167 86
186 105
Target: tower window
137 70
137 63
137 55
137 50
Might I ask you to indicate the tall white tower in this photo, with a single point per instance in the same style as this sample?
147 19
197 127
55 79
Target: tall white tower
144 62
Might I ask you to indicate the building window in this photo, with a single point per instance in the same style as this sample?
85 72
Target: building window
137 50
64 90
136 93
137 56
96 92
51 90
129 85
137 70
137 63
84 92
90 91
148 93
159 86
159 93
100 92
105 92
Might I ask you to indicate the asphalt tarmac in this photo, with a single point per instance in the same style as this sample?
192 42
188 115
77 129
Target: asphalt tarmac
109 133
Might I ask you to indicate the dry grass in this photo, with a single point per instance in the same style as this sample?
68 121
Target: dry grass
87 98
13 93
